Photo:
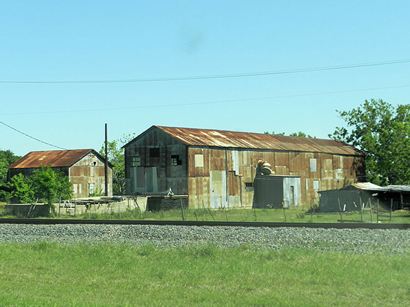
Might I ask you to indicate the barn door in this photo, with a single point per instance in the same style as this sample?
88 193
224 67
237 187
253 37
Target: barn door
292 196
291 192
218 189
151 179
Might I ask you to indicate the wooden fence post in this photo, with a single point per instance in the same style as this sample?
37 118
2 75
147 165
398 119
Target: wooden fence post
391 207
340 209
182 210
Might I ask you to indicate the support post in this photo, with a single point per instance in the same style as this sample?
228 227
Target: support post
361 208
340 209
391 207
377 212
182 209
371 209
106 161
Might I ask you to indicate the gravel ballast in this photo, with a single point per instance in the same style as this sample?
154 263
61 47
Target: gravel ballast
350 240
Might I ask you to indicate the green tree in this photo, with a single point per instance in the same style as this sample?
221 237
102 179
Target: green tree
7 157
297 134
50 186
382 132
301 134
21 190
116 158
274 133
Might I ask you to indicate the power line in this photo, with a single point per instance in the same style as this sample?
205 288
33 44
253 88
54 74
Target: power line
31 137
215 76
207 102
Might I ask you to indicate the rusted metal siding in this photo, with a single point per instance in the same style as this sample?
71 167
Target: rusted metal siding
193 169
149 164
208 190
87 177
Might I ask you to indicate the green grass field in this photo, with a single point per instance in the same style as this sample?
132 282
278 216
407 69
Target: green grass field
49 274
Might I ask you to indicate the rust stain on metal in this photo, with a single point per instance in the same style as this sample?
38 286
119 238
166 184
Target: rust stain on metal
52 158
250 140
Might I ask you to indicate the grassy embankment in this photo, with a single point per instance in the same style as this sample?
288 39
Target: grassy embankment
44 274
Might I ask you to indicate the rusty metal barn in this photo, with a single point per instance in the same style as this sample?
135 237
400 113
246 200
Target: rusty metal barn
84 168
217 169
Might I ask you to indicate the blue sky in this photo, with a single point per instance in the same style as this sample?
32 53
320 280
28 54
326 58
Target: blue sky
99 40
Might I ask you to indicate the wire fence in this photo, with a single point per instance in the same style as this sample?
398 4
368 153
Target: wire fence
135 209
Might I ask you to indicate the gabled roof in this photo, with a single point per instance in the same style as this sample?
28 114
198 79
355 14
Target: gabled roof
251 140
53 158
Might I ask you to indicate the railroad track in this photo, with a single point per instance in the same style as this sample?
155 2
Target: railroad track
340 225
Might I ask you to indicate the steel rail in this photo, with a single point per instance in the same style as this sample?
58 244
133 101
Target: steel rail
340 225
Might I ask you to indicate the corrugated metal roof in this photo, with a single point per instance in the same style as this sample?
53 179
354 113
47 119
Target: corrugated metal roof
399 188
52 158
250 140
366 186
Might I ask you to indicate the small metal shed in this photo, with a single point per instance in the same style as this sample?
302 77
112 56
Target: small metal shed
361 195
276 191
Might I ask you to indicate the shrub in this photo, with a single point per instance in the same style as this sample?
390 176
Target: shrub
45 185
50 186
22 191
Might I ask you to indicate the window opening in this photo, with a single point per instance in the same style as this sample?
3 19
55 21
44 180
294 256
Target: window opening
199 160
313 165
154 152
91 188
175 160
136 161
248 186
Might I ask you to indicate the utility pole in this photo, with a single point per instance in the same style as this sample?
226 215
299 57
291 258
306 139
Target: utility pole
106 162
